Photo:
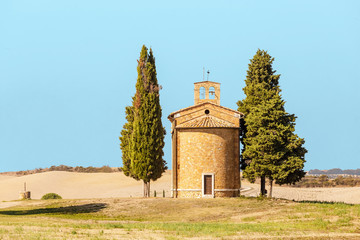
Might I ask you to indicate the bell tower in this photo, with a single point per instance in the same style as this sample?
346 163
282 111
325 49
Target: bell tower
207 92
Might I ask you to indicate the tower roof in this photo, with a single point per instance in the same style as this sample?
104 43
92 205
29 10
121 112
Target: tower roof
207 82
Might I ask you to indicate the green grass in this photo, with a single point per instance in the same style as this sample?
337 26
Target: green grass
179 218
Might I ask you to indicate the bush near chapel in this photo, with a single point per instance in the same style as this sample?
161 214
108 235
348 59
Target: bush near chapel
51 196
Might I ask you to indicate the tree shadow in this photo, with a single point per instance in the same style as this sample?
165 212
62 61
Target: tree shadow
324 202
85 208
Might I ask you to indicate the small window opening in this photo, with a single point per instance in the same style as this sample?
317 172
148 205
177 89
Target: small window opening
211 93
202 93
207 111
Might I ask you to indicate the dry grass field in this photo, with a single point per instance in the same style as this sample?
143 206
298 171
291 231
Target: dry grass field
166 218
99 206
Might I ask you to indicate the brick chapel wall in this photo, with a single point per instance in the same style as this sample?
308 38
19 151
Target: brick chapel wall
208 150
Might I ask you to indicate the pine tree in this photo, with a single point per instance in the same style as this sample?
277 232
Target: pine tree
270 147
143 138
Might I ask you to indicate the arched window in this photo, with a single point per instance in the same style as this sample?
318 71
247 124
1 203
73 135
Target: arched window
202 93
211 93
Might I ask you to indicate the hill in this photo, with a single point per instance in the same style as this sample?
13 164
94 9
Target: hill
64 168
335 171
73 185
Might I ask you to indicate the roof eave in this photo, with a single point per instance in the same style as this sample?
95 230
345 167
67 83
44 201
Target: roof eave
206 127
197 105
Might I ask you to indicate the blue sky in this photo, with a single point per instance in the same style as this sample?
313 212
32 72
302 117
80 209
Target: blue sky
68 69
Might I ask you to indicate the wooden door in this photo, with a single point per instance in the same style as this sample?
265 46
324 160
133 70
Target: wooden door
207 184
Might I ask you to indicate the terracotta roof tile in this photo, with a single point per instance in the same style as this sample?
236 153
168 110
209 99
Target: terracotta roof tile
206 122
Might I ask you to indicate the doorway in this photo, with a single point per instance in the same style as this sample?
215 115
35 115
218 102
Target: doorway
208 185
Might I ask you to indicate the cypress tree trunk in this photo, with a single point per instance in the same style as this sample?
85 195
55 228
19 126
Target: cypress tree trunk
270 187
146 190
262 186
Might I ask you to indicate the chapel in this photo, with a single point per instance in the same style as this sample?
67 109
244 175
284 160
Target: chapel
205 146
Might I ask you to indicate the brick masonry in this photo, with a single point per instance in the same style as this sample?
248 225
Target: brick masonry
211 147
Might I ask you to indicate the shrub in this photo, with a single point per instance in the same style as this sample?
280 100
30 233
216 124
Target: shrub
51 196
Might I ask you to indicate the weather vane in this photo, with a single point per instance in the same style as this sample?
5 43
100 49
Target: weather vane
208 72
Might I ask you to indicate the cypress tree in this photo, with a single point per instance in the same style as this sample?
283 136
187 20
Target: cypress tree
147 138
125 140
270 147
